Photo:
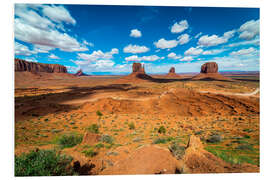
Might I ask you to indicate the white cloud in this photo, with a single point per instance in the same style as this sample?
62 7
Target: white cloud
135 49
30 60
179 27
193 51
213 51
58 14
42 49
166 44
97 55
187 58
172 55
104 63
88 43
249 30
21 49
52 56
135 33
143 58
33 28
243 51
198 35
247 42
183 39
214 39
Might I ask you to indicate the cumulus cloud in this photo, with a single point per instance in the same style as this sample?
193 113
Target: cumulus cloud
213 51
172 55
58 14
183 39
215 40
42 49
255 42
30 27
143 58
97 55
193 51
166 44
179 27
243 51
135 33
249 30
52 56
187 58
21 49
135 49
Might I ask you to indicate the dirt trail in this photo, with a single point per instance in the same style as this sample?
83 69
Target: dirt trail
234 94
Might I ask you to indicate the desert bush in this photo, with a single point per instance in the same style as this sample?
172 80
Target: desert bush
93 128
90 152
69 140
106 139
162 130
176 150
159 141
99 145
215 138
43 163
131 125
99 113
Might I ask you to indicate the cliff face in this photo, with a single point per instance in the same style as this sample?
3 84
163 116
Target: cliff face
210 67
22 65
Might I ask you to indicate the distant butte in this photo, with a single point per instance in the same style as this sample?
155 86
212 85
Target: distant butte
22 65
209 71
172 73
80 73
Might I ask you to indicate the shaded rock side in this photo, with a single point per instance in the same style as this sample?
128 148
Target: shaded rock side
22 65
209 67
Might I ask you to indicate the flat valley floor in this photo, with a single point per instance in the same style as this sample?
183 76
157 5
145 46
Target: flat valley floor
225 115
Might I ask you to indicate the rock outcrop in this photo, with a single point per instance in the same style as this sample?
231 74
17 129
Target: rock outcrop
80 73
22 65
172 70
209 71
209 67
148 159
138 68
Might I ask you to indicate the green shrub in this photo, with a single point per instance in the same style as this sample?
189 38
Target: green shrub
215 138
99 113
99 145
42 163
107 139
131 125
160 141
69 140
90 152
93 128
177 151
162 130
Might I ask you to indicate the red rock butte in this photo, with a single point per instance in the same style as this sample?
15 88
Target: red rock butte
209 71
138 68
80 73
22 65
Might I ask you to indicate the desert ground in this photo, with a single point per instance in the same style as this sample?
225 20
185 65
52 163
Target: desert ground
136 117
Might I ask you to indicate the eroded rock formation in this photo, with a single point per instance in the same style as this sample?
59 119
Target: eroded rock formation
80 73
22 65
137 67
209 67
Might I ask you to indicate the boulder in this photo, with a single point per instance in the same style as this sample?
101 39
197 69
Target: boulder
209 67
22 65
90 138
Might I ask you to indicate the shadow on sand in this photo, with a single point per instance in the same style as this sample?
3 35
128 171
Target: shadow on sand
41 105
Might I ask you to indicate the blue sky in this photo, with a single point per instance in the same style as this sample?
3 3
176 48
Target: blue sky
108 39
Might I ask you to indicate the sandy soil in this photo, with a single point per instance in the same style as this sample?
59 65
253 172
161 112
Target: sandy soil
50 105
